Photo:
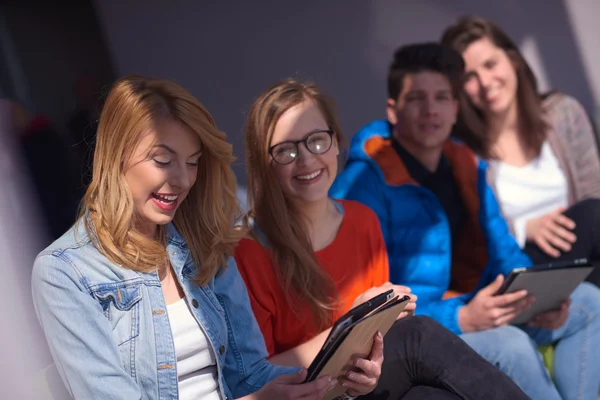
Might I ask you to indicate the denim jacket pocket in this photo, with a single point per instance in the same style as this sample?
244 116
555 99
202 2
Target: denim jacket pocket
120 304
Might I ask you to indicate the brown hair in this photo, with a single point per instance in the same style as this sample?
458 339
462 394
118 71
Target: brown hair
204 219
419 57
295 262
472 127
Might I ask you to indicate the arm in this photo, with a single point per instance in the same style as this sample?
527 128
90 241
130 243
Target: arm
573 125
446 311
256 284
247 349
380 265
78 333
302 355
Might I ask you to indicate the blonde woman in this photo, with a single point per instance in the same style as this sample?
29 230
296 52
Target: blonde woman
141 299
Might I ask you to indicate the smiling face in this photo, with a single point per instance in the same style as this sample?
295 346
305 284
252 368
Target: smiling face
491 80
161 172
425 111
309 177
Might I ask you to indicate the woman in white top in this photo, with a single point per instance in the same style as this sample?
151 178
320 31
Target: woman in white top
543 154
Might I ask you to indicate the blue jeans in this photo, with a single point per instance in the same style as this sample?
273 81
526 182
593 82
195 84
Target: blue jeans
576 358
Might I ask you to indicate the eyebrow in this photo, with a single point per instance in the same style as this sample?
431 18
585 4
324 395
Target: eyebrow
170 150
420 91
304 137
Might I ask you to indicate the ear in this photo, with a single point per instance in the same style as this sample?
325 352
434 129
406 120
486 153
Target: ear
391 111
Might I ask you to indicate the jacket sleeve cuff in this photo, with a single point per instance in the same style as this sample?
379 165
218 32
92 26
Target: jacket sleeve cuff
446 313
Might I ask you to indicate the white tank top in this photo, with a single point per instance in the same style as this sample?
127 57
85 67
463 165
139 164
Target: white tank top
196 364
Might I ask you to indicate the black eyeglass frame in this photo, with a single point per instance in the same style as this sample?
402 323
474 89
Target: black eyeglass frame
305 141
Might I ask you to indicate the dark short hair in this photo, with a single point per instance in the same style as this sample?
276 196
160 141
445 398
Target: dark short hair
420 57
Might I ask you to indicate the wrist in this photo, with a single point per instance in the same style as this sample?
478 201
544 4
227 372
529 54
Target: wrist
463 319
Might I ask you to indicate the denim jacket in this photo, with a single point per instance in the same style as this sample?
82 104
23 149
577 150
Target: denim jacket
109 331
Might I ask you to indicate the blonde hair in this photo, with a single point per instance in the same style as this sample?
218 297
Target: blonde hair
295 262
204 219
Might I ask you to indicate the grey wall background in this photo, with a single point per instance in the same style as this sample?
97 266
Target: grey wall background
227 52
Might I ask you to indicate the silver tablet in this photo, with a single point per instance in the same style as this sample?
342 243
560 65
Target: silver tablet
550 284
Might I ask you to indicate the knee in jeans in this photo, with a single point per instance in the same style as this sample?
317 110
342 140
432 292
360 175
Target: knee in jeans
424 322
515 344
586 298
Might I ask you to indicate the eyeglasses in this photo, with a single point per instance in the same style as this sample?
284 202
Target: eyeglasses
317 143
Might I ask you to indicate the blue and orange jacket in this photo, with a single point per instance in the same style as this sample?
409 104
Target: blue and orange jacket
416 229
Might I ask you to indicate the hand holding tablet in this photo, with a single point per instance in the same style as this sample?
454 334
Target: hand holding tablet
550 285
352 336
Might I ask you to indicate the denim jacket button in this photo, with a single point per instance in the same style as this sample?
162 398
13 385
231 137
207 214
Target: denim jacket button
222 350
195 303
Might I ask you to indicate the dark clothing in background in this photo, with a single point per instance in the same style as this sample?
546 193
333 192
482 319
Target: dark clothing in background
54 175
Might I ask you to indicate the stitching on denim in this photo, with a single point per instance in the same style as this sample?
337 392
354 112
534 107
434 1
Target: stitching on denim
583 353
134 334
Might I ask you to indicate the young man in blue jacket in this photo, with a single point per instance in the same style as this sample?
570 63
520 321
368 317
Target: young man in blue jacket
446 237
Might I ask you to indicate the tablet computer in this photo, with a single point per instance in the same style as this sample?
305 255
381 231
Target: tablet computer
356 314
363 321
551 284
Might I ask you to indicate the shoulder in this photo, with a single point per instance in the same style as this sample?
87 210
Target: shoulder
456 149
559 105
248 246
378 128
251 257
360 218
74 257
357 212
64 256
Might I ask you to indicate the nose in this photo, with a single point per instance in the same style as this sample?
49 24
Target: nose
305 157
430 106
485 79
180 178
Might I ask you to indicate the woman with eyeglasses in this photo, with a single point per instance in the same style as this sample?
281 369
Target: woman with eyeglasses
309 259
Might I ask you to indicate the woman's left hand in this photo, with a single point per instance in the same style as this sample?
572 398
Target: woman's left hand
363 378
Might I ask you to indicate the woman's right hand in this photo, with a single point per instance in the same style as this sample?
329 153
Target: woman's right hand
552 232
290 387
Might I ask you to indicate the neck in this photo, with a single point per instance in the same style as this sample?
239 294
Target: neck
315 213
148 230
503 122
429 157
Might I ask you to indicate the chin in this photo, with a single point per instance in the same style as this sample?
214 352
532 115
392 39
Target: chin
162 219
434 142
501 105
313 197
